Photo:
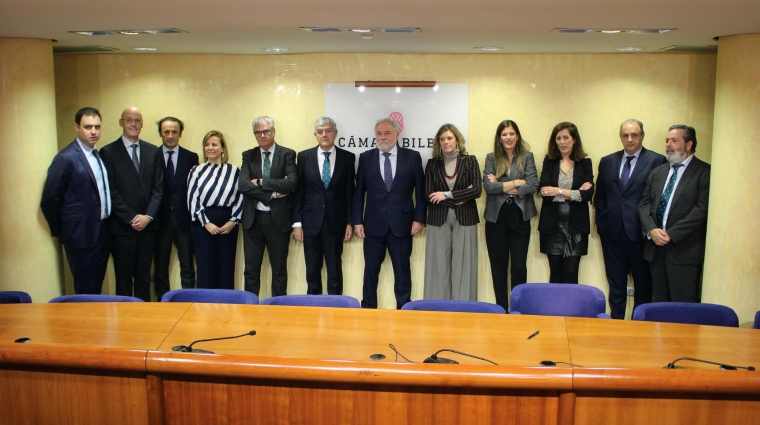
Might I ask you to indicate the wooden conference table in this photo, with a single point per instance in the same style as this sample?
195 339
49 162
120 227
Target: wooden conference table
113 363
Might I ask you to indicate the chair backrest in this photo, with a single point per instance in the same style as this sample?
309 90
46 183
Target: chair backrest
14 297
93 298
343 301
558 299
455 306
689 313
215 296
757 320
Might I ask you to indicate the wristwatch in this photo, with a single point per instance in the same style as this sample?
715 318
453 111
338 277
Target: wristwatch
560 191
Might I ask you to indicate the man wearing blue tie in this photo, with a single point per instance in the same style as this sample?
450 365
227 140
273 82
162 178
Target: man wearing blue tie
76 202
619 185
673 213
387 177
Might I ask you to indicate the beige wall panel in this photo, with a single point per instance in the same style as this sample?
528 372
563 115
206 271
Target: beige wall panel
225 92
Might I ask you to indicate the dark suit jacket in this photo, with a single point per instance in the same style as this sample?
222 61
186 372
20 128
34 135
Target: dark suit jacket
174 198
283 165
617 208
313 204
435 181
392 209
133 192
579 220
687 219
70 200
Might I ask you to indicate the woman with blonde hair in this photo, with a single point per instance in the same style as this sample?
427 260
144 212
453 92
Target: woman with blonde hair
510 182
452 183
215 207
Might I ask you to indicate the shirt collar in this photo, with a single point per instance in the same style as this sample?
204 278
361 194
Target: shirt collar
87 150
128 143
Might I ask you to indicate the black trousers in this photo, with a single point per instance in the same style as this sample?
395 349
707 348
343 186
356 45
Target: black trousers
264 234
170 234
400 250
329 247
507 241
215 254
88 265
674 282
622 257
132 258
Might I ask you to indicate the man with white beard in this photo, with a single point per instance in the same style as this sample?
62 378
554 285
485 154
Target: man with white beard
673 213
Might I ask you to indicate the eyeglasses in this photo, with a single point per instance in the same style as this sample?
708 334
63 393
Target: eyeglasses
132 121
262 132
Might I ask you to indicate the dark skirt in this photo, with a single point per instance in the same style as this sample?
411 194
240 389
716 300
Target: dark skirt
562 242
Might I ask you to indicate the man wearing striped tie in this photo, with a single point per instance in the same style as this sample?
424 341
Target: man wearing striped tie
673 213
322 207
76 203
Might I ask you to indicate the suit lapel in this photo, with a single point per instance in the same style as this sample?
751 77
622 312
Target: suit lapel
275 159
400 162
127 156
685 181
312 162
183 162
340 165
256 172
641 164
617 159
143 155
85 163
374 164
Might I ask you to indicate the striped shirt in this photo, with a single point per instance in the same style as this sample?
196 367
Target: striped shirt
213 185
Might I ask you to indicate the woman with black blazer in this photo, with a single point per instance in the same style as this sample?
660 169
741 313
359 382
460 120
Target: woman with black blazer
452 183
510 182
567 185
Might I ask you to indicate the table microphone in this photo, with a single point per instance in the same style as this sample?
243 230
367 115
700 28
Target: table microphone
189 348
723 366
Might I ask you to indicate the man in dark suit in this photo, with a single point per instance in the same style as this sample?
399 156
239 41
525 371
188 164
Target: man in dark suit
173 217
387 176
137 183
76 204
322 207
673 213
620 182
267 177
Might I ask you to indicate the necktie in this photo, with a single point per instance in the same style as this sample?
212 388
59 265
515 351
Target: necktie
102 181
626 171
667 194
326 169
170 167
135 160
388 171
267 165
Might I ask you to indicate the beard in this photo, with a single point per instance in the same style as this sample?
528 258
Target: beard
677 156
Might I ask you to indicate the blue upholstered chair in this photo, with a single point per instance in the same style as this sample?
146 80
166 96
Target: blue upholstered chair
454 306
93 298
215 296
757 320
557 299
689 313
14 297
343 301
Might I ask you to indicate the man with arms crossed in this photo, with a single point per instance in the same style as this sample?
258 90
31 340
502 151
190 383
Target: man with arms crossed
173 217
673 213
137 184
76 204
323 207
622 176
267 177
387 176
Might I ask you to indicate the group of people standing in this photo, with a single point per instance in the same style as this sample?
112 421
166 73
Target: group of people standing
134 200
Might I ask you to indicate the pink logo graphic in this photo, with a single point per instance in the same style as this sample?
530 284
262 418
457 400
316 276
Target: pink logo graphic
396 116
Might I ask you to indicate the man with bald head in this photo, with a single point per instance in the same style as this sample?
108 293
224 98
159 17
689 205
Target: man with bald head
136 182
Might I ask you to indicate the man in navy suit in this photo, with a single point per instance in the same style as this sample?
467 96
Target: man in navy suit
174 217
673 213
322 207
387 176
622 176
76 204
137 183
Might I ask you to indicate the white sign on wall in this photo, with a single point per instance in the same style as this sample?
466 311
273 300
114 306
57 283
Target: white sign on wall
420 112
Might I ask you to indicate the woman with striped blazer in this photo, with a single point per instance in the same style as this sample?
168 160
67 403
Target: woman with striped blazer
215 207
452 183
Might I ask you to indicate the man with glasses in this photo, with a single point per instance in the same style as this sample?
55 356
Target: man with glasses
619 185
267 177
137 182
76 204
323 207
